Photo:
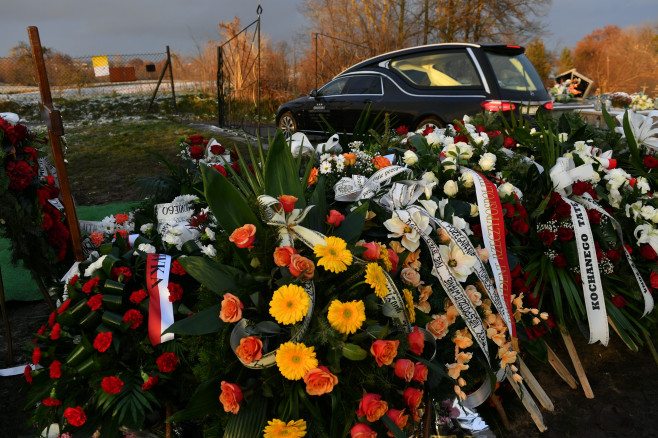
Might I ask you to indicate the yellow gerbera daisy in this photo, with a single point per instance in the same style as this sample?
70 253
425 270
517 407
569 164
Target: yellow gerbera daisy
376 279
295 360
289 304
279 429
409 298
334 256
383 256
347 317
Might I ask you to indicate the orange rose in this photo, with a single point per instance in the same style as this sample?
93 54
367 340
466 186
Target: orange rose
384 351
438 326
250 349
372 252
398 418
372 407
313 176
244 236
300 263
381 162
230 397
335 218
350 159
282 255
362 430
416 341
287 202
412 397
231 308
420 372
404 369
320 381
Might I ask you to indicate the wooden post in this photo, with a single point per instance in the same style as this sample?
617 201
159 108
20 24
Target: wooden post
577 364
5 318
560 369
53 120
534 386
528 402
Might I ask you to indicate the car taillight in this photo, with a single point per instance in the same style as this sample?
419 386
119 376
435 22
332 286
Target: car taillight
548 106
497 105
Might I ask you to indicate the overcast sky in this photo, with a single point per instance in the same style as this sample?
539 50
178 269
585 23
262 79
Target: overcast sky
96 27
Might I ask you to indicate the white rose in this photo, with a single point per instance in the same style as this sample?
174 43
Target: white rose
429 177
654 219
433 139
465 149
487 161
429 205
410 158
466 119
467 180
505 189
474 210
449 163
450 188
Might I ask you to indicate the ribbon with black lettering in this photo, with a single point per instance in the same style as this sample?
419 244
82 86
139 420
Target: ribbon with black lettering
589 273
287 224
451 285
358 187
493 235
161 310
646 294
172 213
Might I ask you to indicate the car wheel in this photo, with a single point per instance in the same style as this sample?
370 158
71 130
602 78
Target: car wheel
288 123
429 121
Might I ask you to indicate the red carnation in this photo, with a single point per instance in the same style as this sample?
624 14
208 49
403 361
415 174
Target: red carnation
565 234
150 383
74 280
95 302
36 355
650 161
41 330
509 143
175 292
402 130
121 270
546 236
75 416
103 341
647 252
27 372
90 285
581 187
55 369
65 305
516 271
51 402
167 362
429 129
613 255
560 261
133 316
236 167
335 218
509 209
57 328
20 175
138 296
112 384
177 268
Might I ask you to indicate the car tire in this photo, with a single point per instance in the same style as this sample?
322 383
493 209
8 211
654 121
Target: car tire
288 123
429 121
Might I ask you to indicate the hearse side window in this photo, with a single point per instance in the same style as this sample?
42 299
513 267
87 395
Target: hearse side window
439 69
364 85
334 87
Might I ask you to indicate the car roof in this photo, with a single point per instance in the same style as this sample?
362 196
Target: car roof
371 62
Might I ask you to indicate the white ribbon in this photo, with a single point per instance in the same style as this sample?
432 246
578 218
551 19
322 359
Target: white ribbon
646 294
358 187
564 174
402 193
451 285
589 274
287 224
299 143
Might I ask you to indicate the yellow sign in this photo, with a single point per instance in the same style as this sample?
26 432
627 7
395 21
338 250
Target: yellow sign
101 65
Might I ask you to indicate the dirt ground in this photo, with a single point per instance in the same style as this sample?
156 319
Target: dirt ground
625 387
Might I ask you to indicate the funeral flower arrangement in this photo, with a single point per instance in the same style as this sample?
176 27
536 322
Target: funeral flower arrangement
352 294
565 90
31 214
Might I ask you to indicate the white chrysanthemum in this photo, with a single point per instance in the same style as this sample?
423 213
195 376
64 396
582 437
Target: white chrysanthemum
146 248
209 250
643 185
210 233
146 228
340 166
433 139
647 212
185 198
325 167
325 157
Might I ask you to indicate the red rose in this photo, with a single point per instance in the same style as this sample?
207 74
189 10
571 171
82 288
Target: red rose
90 285
177 268
394 259
581 187
57 328
398 417
520 226
402 130
546 236
517 269
614 255
594 217
416 341
335 218
560 261
196 139
428 130
20 175
565 234
150 383
647 252
133 316
509 143
112 384
27 372
461 138
420 373
51 402
175 292
36 355
220 169
372 407
138 296
167 362
563 209
65 305
404 369
95 301
75 416
619 301
217 149
55 369
509 209
477 230
196 152
412 397
650 161
103 341
236 167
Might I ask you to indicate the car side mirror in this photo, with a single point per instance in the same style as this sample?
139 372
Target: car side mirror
313 93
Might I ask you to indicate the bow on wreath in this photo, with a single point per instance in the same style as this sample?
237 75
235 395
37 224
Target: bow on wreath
287 224
565 173
358 187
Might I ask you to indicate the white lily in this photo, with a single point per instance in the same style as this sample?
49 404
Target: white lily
410 238
642 129
459 263
647 234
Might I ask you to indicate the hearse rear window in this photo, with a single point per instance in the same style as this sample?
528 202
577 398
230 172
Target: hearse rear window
436 70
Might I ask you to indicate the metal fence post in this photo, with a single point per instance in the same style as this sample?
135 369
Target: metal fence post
220 86
171 76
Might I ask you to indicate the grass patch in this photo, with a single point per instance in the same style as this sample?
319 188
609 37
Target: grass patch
106 160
